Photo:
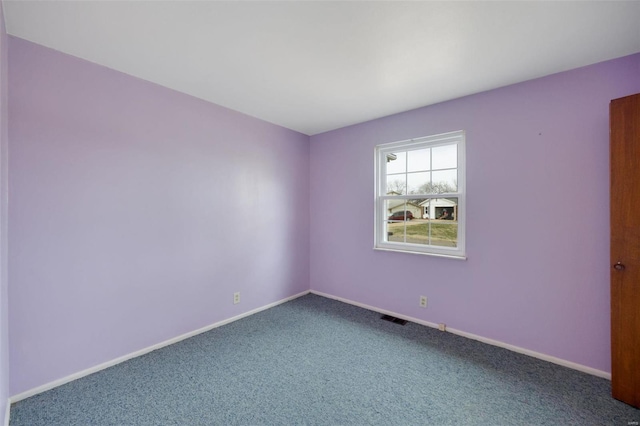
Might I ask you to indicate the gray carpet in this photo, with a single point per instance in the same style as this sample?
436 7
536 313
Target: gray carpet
316 361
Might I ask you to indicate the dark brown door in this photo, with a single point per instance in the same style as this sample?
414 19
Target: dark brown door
625 249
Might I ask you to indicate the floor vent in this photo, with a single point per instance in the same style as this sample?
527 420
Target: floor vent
394 319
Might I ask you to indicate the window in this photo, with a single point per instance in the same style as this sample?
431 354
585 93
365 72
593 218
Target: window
420 195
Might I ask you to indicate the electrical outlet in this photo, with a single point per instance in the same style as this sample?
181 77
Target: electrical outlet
423 301
236 298
442 327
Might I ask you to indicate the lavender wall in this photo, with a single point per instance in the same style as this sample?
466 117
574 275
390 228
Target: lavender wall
136 212
537 215
4 142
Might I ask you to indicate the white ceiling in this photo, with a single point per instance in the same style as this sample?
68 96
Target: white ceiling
316 66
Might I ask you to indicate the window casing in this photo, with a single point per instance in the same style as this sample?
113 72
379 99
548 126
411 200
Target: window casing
420 195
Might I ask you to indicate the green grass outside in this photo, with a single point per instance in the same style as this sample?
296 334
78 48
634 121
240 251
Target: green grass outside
442 233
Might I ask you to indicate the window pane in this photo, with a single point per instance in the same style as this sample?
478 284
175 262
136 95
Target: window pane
397 162
418 183
395 212
398 210
445 157
444 209
417 231
419 160
394 232
444 229
397 184
444 234
445 181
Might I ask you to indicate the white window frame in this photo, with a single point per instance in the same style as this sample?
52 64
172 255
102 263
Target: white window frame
381 152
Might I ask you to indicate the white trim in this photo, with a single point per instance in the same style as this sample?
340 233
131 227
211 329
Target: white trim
380 235
7 412
104 365
448 256
442 139
544 357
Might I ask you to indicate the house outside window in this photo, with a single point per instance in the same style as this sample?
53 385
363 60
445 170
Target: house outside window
420 195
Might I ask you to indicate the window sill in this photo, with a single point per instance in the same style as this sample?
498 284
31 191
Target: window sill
448 256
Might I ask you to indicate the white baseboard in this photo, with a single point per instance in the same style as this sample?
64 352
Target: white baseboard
375 309
104 365
80 374
544 357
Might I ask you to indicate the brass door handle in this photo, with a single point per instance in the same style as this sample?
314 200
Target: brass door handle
618 266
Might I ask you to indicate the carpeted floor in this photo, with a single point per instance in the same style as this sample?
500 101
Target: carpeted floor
316 361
